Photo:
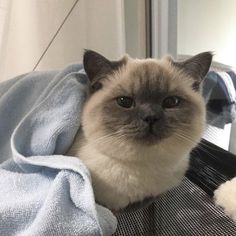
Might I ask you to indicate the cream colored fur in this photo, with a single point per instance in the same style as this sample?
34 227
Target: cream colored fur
225 197
124 172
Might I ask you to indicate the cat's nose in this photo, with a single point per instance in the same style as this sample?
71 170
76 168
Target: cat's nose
151 119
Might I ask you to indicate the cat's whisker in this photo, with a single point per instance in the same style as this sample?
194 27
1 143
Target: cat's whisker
183 138
186 138
106 138
203 144
103 139
179 135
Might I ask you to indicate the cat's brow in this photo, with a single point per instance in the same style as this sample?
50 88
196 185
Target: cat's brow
121 90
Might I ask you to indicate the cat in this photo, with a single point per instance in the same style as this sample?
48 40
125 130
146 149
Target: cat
139 125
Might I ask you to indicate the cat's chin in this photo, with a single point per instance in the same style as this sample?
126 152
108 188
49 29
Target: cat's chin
149 138
147 141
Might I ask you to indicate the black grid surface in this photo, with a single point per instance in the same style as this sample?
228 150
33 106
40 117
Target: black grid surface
185 210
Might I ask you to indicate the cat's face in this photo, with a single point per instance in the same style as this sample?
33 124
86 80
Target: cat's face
143 102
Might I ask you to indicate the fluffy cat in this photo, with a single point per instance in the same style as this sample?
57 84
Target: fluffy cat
139 125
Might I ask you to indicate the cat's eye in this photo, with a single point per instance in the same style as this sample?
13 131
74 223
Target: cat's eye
171 102
126 102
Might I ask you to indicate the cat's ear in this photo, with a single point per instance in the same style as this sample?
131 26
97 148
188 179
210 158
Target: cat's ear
197 67
97 66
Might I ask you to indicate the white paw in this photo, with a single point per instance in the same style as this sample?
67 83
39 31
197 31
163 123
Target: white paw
225 197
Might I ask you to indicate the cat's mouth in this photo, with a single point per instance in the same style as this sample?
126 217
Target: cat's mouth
150 135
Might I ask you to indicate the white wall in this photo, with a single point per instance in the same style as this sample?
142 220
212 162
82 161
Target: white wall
4 9
31 24
135 32
205 25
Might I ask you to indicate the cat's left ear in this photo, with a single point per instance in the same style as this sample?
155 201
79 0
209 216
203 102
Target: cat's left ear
97 67
197 67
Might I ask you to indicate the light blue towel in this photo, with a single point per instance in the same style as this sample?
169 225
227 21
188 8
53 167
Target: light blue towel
43 192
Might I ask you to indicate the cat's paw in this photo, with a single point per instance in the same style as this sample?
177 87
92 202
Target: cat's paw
225 197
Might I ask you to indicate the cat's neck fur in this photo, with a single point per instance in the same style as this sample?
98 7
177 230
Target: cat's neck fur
132 173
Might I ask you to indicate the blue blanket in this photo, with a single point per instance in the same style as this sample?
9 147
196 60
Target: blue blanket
43 192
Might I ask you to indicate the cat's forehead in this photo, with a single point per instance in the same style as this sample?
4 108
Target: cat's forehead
150 77
149 74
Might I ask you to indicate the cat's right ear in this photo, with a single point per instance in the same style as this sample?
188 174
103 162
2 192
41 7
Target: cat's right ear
197 67
97 67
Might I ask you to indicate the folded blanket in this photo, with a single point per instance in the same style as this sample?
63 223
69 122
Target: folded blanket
43 192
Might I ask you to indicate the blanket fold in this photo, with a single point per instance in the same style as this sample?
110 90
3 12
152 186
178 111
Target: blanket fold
42 191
